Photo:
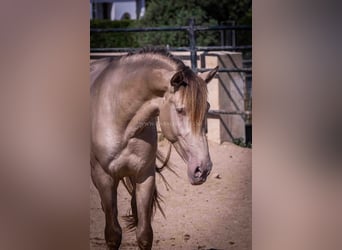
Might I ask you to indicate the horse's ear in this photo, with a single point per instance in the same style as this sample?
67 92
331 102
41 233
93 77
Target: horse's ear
177 79
209 75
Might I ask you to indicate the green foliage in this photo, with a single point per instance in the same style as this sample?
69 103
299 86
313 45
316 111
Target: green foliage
161 13
245 37
224 10
240 142
239 11
111 40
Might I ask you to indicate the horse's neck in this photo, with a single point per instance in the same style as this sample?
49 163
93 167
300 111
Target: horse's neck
144 117
132 93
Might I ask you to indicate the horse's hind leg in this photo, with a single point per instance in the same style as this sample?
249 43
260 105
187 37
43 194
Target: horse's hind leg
144 197
107 188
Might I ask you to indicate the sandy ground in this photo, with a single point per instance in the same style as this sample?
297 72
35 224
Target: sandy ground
214 215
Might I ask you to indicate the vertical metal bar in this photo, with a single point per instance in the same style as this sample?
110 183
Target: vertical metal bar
202 60
192 39
233 35
222 37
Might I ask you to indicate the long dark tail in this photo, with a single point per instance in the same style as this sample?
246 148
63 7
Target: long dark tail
132 216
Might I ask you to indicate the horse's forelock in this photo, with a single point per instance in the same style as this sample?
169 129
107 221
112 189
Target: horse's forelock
194 96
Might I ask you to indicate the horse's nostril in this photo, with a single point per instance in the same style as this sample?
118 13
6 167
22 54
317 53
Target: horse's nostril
198 172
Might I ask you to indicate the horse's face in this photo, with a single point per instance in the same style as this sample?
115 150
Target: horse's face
192 147
188 138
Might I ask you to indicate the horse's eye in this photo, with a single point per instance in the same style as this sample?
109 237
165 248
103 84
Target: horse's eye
180 110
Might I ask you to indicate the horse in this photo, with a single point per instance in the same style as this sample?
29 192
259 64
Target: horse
127 94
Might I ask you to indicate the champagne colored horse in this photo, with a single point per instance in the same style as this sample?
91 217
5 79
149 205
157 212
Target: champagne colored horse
127 95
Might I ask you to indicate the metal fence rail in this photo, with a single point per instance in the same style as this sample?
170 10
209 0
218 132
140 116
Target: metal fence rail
198 48
192 26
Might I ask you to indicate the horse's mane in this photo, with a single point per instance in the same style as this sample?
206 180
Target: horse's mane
160 52
194 92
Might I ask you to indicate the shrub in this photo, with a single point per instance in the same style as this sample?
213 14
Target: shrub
110 39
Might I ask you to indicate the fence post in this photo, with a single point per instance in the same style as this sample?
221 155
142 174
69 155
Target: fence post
192 39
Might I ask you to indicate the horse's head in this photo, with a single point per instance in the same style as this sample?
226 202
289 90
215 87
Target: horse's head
182 116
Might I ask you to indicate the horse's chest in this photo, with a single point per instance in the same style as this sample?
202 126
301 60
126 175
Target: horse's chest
135 157
122 158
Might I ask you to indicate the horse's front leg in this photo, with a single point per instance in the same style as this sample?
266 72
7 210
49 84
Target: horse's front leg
107 187
145 188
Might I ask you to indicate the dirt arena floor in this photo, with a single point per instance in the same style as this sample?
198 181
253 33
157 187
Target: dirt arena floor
214 215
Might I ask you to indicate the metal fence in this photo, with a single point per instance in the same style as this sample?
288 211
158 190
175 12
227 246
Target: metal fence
191 29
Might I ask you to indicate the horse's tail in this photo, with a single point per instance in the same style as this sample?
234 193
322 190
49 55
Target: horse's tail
132 216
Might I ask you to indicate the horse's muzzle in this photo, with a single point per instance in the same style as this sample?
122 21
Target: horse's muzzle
199 174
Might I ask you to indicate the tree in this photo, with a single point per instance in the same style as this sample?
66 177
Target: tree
228 10
175 13
112 40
